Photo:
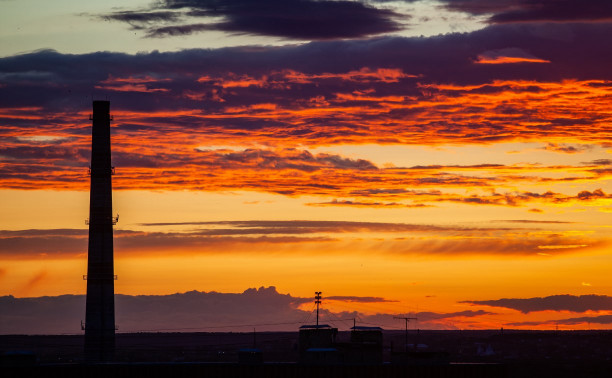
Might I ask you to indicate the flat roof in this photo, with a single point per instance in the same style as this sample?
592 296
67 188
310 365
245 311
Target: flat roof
321 350
315 326
364 328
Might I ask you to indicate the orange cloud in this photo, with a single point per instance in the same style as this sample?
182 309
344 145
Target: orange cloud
365 74
169 162
508 56
414 113
508 60
162 149
132 84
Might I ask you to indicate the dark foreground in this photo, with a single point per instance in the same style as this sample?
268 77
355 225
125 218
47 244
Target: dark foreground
216 355
267 370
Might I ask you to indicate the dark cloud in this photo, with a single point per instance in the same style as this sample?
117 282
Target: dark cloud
203 237
431 57
292 19
42 315
168 106
43 232
302 226
46 152
264 236
264 308
480 7
564 11
506 11
520 198
286 159
477 200
585 195
177 30
431 320
209 241
358 299
531 221
565 302
336 202
136 18
63 243
432 316
599 319
436 167
441 59
395 191
193 310
603 161
31 243
599 162
567 148
282 159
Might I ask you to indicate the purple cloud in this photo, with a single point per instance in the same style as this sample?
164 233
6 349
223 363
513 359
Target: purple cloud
505 11
564 302
291 19
264 308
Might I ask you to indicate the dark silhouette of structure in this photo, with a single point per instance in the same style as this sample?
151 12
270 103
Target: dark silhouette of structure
317 344
100 304
406 319
366 346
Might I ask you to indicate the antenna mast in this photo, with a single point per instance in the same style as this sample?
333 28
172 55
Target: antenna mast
406 336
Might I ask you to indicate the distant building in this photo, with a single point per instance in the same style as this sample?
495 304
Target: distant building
420 355
366 346
250 356
317 344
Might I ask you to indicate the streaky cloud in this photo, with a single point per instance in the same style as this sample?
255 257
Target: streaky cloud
566 302
533 221
598 319
295 237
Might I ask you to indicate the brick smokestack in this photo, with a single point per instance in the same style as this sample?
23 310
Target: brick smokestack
100 306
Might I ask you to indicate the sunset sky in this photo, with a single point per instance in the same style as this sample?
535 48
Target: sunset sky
447 159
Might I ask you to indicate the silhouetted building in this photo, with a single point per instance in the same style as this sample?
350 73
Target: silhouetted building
100 304
366 335
366 346
250 356
420 354
317 344
17 358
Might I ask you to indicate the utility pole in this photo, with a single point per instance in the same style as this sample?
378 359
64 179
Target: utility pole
406 336
318 302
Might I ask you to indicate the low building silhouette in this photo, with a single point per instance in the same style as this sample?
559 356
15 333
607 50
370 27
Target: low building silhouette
317 344
250 356
365 347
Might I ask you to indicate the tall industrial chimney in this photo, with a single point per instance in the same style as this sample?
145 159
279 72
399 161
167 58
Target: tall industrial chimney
100 306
